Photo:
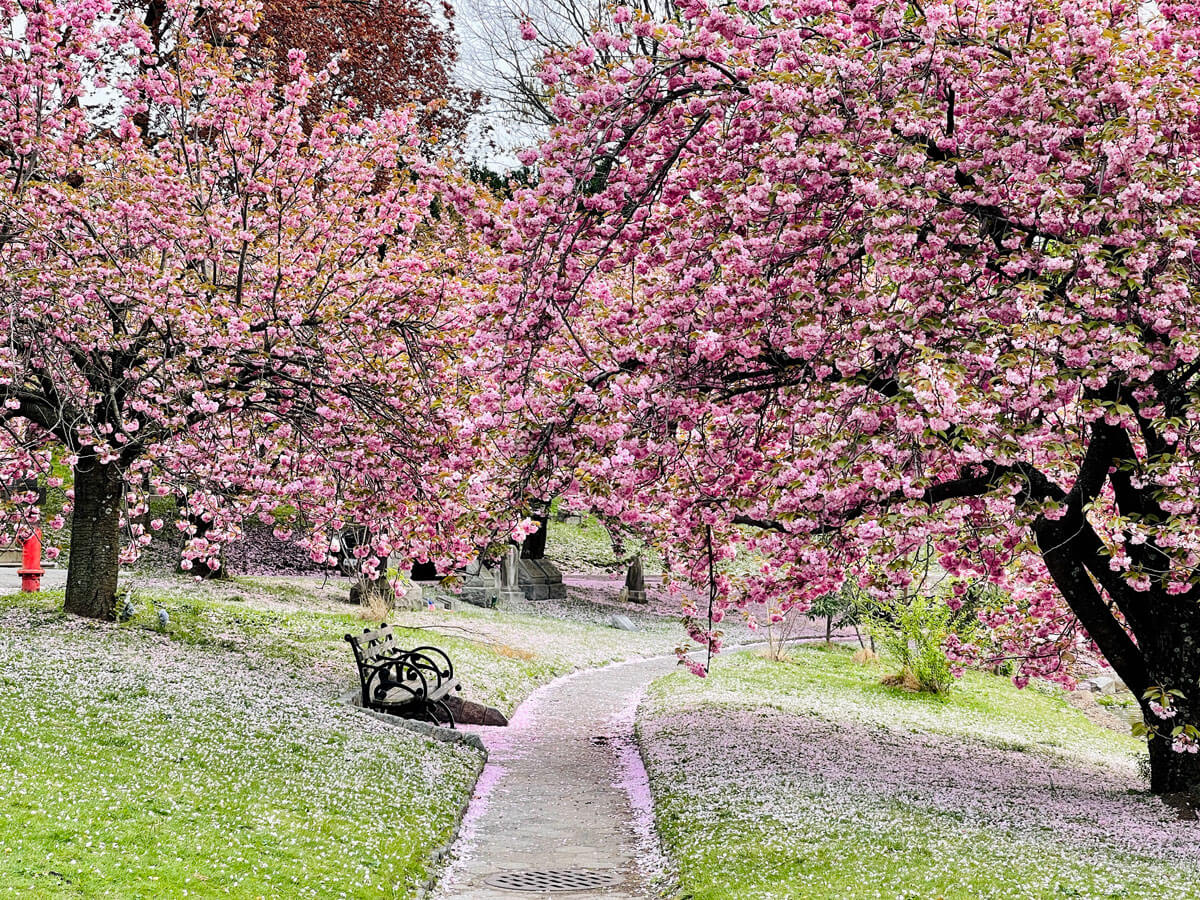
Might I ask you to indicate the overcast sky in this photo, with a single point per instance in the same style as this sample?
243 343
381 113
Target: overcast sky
487 31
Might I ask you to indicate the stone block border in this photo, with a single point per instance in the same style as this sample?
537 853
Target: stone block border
435 732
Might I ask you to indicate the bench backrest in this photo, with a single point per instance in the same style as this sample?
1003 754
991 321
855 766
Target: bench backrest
372 643
368 648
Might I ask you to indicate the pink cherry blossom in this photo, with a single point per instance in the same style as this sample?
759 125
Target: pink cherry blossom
828 284
220 294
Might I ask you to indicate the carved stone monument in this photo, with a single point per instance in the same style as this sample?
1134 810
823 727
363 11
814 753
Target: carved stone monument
538 577
523 571
510 576
635 582
540 580
481 584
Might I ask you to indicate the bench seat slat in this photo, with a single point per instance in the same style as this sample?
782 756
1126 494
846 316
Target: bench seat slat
398 695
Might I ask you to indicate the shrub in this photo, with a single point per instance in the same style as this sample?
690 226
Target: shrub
914 630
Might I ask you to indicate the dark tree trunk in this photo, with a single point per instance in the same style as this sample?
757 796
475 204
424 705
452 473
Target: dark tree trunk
1172 654
534 545
1173 774
373 592
95 541
423 571
616 541
1165 654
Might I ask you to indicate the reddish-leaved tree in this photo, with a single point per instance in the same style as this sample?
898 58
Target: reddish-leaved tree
390 53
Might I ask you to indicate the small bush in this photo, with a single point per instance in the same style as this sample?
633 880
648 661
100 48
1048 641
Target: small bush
842 608
781 633
914 630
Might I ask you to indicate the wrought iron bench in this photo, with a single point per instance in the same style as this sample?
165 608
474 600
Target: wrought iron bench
412 683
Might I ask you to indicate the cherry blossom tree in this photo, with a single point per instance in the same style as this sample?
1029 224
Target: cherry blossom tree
211 295
828 280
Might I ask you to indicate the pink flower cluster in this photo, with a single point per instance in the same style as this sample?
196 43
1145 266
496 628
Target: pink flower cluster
848 279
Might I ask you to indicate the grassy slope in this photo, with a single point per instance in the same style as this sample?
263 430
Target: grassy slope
142 766
499 654
811 780
584 547
213 760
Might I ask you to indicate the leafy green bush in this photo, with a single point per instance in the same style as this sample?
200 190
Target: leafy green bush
842 608
913 629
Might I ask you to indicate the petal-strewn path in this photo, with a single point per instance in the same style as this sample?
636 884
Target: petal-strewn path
564 789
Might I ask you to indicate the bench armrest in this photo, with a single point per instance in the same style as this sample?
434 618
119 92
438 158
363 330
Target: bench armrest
403 674
431 653
406 664
424 673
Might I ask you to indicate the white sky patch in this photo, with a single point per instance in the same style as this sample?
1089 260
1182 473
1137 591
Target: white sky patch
491 48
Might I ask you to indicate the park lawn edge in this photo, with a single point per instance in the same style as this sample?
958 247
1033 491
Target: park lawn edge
699 739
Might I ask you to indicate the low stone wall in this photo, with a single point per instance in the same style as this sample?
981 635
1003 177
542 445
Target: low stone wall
425 729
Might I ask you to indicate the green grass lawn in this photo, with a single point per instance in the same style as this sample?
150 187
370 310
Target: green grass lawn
809 779
499 654
212 759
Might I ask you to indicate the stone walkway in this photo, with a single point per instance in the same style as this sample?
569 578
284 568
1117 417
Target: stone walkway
563 789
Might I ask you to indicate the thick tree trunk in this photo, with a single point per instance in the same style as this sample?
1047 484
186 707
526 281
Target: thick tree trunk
1165 655
200 567
1172 653
373 593
95 541
1173 773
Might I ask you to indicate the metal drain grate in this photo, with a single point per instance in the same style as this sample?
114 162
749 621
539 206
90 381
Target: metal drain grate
553 880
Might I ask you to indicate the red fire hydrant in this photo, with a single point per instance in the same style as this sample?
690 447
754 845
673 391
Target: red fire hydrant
31 570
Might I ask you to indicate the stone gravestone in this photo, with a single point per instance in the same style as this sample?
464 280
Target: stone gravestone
624 623
635 582
523 572
539 579
481 584
1101 684
510 576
